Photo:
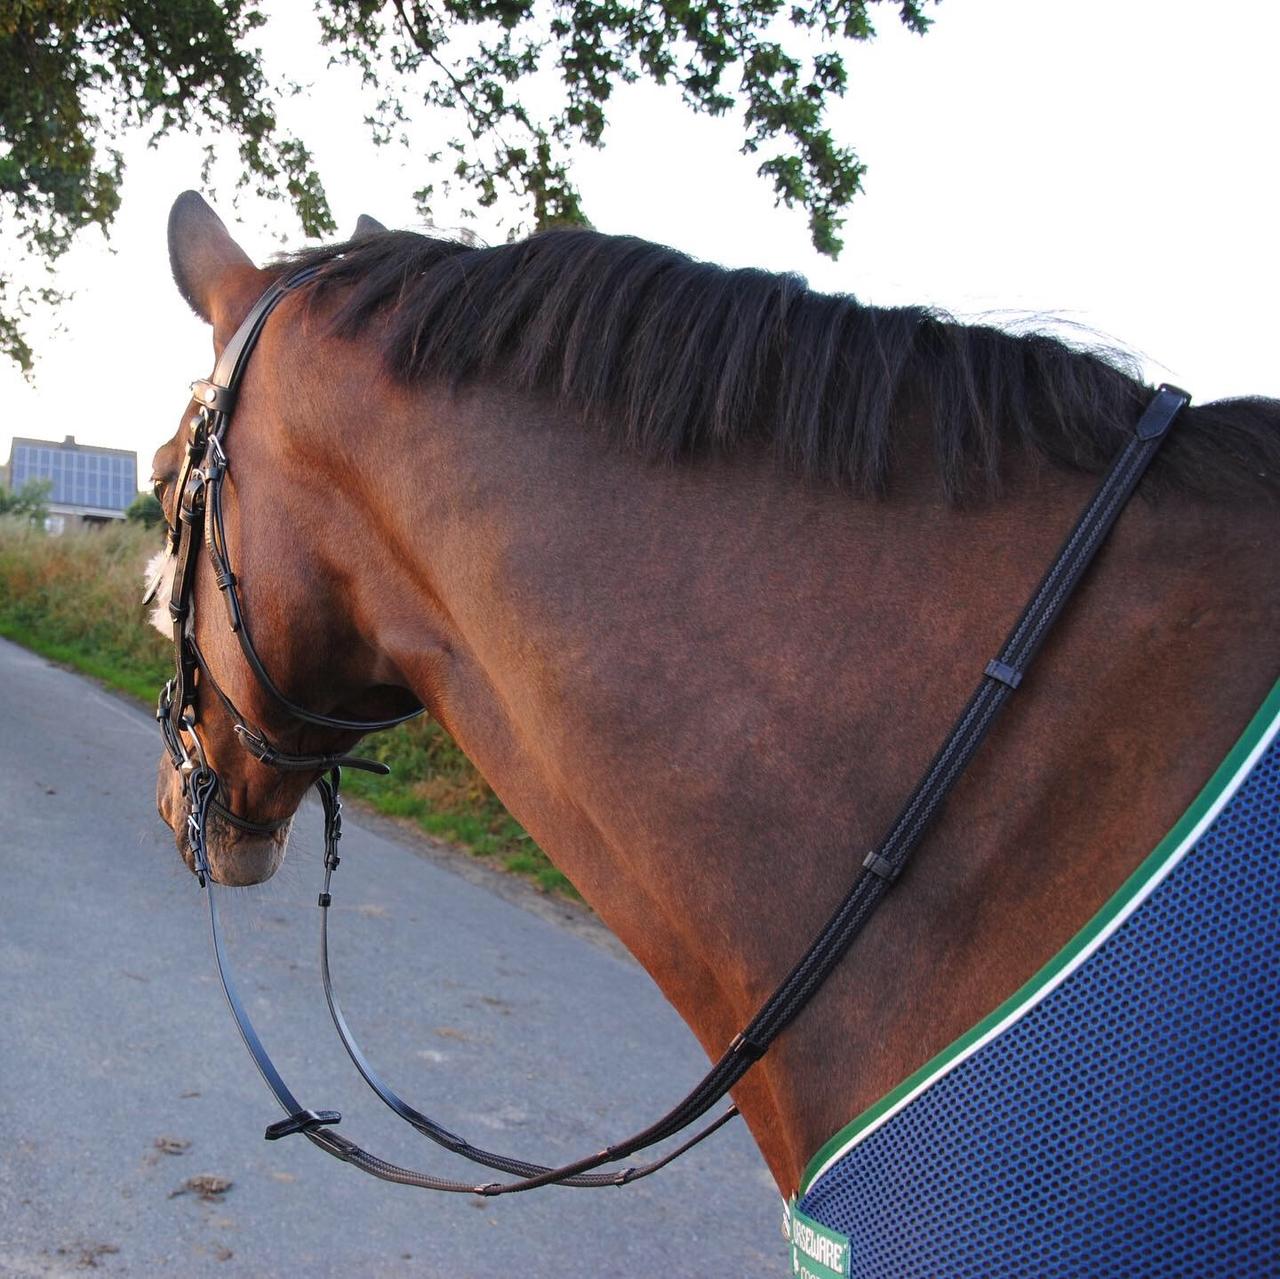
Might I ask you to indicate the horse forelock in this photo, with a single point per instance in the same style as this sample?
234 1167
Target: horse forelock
674 356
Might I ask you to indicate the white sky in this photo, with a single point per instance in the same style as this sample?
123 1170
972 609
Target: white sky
1111 162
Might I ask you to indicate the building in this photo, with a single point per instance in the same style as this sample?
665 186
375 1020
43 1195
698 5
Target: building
90 484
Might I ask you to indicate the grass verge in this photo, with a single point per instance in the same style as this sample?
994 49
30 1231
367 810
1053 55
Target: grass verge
74 599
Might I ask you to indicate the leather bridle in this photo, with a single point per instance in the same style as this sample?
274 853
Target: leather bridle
198 502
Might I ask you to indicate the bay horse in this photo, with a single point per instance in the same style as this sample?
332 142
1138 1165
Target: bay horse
696 566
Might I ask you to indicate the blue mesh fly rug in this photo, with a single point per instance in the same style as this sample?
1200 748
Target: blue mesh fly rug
1120 1114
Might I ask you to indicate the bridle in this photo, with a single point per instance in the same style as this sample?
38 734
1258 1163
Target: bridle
198 498
198 502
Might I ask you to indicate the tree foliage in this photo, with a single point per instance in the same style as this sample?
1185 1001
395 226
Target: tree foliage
76 74
30 502
526 82
145 509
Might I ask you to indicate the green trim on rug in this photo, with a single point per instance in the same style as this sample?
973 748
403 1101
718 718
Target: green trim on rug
1024 997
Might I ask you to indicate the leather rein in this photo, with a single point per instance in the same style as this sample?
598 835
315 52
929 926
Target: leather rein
198 500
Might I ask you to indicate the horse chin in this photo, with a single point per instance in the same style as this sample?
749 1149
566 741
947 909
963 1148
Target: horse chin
237 858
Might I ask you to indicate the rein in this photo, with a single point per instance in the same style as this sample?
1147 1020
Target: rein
200 518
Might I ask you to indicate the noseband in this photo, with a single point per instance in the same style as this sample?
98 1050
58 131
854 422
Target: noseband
200 518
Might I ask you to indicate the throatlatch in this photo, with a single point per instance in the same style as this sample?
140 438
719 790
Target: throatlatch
198 500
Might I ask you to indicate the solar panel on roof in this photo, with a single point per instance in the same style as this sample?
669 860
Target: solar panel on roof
80 477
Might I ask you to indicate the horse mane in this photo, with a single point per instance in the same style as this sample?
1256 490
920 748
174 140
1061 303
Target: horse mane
676 356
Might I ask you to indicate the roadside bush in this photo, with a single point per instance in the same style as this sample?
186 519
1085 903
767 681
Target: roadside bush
76 597
30 501
145 509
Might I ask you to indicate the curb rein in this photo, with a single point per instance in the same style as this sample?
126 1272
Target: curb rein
198 495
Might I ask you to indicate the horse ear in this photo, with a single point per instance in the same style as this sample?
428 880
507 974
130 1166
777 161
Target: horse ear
202 255
365 225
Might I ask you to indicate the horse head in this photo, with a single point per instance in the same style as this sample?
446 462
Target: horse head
247 679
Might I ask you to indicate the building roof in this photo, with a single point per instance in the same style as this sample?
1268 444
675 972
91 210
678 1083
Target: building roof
85 478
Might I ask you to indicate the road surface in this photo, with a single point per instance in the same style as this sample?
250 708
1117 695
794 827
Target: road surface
124 1079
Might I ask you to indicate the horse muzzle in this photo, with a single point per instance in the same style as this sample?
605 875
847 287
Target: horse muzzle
239 852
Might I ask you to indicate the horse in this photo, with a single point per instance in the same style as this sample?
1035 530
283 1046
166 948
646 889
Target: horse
696 565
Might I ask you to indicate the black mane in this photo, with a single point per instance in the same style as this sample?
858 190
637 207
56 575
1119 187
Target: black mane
677 356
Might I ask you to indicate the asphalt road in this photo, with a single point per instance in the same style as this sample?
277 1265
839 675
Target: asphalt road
116 1047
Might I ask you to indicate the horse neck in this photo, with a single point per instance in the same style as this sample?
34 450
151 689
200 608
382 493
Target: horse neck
705 689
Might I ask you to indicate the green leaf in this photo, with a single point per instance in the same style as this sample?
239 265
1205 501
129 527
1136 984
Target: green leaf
77 74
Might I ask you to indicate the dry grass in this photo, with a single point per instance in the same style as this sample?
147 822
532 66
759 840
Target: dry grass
76 599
